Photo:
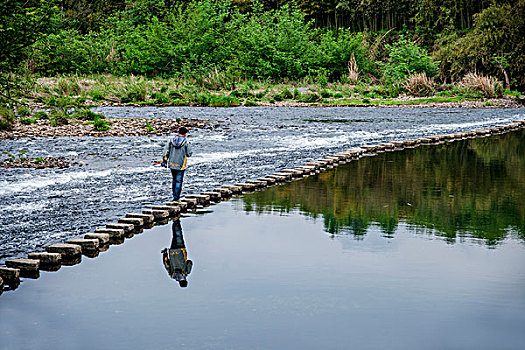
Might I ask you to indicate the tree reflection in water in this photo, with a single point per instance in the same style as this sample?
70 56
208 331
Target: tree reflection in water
467 189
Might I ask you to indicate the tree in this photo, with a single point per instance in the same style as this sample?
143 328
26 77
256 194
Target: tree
22 23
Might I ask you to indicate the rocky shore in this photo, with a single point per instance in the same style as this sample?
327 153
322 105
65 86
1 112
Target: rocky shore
118 127
40 163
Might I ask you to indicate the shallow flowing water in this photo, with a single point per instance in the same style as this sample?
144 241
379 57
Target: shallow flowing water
418 249
39 207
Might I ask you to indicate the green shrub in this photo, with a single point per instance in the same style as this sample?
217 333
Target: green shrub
100 125
58 117
260 94
40 115
174 94
323 80
23 111
406 57
149 128
96 95
338 95
286 94
250 103
311 97
365 101
135 92
7 118
87 114
68 87
223 101
296 94
325 94
27 121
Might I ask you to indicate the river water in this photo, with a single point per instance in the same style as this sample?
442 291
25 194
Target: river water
418 249
39 207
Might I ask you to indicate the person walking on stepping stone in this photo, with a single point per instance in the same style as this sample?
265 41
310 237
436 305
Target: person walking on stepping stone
175 159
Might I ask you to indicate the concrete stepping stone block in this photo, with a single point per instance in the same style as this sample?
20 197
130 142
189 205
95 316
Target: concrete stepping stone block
183 206
46 258
67 250
214 196
246 187
225 192
136 222
201 198
257 183
277 178
172 210
87 245
146 219
114 234
103 238
233 188
191 203
159 215
27 267
128 228
268 180
10 276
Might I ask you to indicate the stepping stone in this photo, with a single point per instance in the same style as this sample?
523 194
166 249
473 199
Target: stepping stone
65 249
103 238
288 176
191 203
128 228
136 222
246 186
146 219
214 196
225 192
294 172
159 215
233 188
268 180
27 267
172 210
181 205
113 233
10 276
257 183
201 199
87 245
46 258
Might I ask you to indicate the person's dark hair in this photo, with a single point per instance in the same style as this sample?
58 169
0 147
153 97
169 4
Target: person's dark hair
183 283
183 130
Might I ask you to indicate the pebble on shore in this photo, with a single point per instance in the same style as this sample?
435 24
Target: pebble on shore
118 127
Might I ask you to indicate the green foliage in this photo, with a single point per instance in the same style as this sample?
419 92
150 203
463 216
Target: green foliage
58 117
149 128
18 157
38 115
7 118
405 57
100 125
87 114
23 111
27 121
311 97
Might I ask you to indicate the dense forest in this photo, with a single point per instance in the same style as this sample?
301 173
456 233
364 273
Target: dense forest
381 42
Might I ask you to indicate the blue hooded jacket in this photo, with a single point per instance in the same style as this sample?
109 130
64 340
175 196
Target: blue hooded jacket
177 153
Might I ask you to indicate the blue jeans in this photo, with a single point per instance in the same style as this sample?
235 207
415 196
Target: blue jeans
176 185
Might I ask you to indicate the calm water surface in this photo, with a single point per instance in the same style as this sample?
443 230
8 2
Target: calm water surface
422 249
40 207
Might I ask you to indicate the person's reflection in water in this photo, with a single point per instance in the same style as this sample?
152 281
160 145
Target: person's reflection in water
175 258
